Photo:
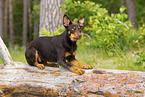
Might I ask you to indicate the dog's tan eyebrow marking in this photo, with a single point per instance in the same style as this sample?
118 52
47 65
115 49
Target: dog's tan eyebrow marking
67 54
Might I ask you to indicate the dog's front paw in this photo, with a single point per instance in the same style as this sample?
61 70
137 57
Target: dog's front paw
87 67
40 66
76 70
80 71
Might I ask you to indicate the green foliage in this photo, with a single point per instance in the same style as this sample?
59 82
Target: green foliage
35 11
140 12
140 60
58 31
110 33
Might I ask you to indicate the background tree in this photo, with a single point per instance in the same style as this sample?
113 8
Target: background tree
1 17
30 21
5 19
131 10
25 22
11 23
36 20
51 14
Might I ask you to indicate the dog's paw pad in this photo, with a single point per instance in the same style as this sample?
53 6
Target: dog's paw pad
80 71
87 67
40 66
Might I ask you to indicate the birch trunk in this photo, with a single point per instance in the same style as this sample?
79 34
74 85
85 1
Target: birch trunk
51 14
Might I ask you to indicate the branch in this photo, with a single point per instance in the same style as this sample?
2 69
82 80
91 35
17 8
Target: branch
123 24
87 35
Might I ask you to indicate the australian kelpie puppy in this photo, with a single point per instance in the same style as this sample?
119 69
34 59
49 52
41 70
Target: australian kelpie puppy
59 49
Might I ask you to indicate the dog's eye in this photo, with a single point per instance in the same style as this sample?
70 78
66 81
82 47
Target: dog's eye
73 28
79 28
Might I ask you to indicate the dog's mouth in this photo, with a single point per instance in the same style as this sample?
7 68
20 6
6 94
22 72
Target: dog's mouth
75 38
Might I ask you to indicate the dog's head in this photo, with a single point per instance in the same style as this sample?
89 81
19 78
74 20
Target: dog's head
73 28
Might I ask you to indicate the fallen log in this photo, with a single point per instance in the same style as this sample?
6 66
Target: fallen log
5 55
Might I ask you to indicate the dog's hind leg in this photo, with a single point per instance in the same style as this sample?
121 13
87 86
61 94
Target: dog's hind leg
33 58
37 58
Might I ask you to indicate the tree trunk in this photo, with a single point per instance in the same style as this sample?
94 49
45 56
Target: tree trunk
121 2
11 23
25 23
36 24
50 14
1 17
30 22
5 55
5 19
131 9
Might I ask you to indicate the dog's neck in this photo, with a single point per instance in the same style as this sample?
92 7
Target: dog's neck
67 43
70 42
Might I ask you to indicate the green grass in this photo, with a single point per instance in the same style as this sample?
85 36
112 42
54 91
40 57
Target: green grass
17 54
122 61
90 56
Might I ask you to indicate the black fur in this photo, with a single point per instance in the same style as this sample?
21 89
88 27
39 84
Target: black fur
53 49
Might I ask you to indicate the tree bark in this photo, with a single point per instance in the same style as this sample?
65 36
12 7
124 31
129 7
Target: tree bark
11 23
30 22
1 17
25 23
36 24
121 2
131 9
50 14
5 55
5 19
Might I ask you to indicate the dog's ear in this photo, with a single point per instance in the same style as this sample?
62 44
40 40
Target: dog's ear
66 21
81 21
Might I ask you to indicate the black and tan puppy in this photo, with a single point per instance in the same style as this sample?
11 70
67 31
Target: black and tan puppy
59 49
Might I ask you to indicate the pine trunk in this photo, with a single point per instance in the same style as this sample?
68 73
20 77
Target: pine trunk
36 24
1 17
131 9
25 23
5 19
11 23
30 22
51 14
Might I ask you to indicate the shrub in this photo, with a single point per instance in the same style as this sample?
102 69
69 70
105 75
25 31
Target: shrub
58 31
109 33
140 60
